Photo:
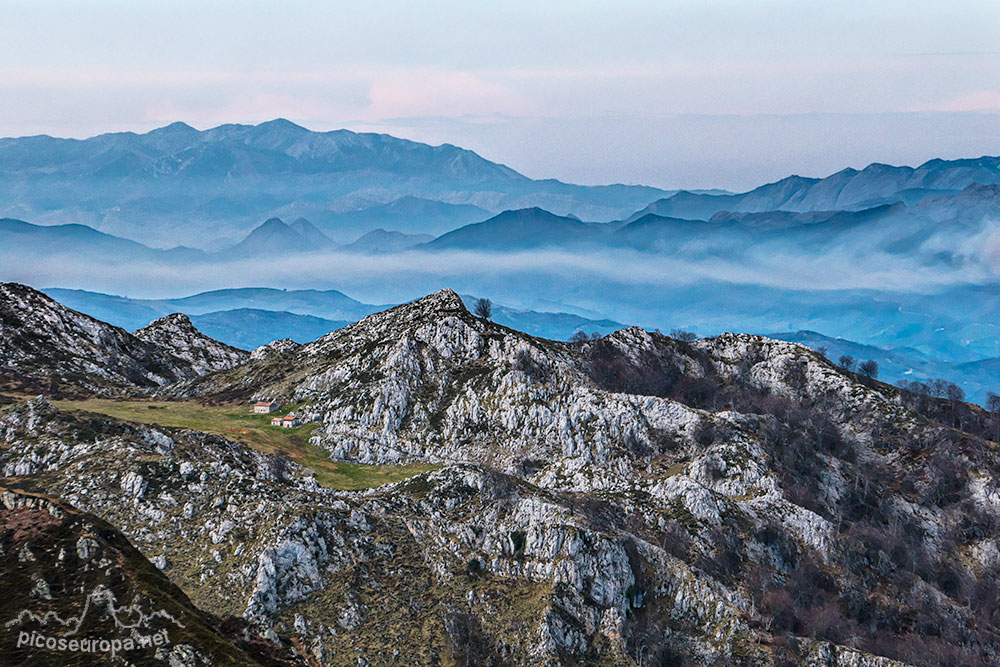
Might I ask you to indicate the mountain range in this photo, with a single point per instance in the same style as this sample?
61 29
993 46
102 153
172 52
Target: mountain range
903 259
849 189
177 181
251 317
626 499
939 229
407 215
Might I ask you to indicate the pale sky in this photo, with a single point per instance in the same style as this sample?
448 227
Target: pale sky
675 94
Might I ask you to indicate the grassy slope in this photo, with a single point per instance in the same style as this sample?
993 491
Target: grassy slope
237 423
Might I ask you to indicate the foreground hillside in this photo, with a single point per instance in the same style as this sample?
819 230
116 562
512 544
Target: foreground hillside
632 499
72 578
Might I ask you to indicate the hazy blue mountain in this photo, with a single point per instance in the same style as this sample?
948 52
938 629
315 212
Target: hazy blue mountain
82 242
129 314
985 372
874 185
516 230
132 313
177 181
313 236
555 326
249 328
958 324
59 239
380 241
409 215
244 317
275 237
329 304
937 230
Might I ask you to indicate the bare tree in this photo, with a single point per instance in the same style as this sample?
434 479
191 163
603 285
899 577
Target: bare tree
993 405
682 335
846 362
938 388
484 309
869 369
579 337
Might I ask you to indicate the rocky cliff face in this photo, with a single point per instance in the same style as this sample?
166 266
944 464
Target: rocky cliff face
628 500
45 346
176 334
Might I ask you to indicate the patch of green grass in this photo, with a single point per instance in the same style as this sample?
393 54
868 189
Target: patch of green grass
236 422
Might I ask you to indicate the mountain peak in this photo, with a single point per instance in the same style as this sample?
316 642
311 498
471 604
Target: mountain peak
445 300
272 223
311 235
176 334
172 320
281 124
177 127
520 228
273 236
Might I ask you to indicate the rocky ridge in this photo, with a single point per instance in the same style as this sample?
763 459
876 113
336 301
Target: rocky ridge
177 334
627 500
46 346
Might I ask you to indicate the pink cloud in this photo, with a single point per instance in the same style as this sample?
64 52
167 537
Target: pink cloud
976 100
439 93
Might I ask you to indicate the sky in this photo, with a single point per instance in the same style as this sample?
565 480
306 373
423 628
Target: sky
727 94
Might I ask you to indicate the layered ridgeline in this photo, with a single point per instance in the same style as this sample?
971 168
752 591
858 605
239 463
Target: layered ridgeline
848 189
940 229
45 346
934 229
177 181
632 499
251 317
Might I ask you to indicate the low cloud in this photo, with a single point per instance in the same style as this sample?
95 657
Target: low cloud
393 277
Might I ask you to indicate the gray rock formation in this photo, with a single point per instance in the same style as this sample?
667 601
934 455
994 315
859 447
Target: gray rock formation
628 500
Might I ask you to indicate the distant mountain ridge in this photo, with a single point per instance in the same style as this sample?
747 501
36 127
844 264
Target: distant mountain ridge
275 237
380 241
249 328
248 318
874 185
407 215
511 230
134 313
177 179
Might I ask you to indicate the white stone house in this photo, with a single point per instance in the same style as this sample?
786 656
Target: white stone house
266 407
291 421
